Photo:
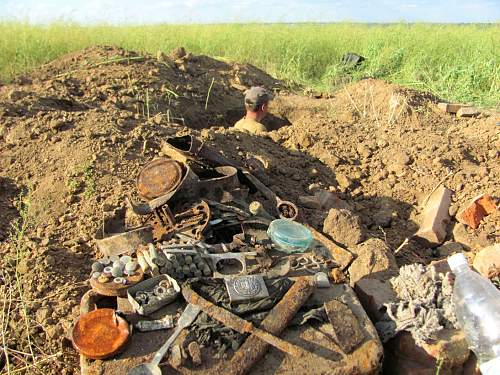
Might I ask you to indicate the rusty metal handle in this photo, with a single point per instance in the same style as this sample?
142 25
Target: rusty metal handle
238 324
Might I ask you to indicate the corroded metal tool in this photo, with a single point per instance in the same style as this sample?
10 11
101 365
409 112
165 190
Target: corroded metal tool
238 324
188 316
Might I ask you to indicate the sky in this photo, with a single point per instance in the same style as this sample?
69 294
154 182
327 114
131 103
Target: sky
216 11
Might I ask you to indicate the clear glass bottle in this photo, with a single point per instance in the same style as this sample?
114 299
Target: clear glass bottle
477 307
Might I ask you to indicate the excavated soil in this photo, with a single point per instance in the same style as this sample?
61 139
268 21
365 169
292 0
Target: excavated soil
75 132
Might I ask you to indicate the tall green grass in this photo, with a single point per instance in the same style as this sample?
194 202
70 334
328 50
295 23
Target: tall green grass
456 62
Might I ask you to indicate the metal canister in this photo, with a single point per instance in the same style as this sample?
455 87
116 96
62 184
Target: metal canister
97 267
168 265
125 259
104 261
107 271
131 266
171 257
117 271
206 270
197 273
160 260
154 325
181 260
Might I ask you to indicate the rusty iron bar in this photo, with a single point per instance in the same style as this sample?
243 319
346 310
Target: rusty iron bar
169 215
238 324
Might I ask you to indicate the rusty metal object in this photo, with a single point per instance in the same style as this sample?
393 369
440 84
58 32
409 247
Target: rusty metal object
158 177
341 256
113 289
347 331
238 324
257 209
193 187
253 349
189 147
182 148
100 334
256 184
225 179
310 262
125 242
287 210
191 222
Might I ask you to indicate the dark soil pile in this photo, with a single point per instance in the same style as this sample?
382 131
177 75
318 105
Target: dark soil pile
75 133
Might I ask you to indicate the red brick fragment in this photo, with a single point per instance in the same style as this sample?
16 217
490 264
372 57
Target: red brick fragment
487 204
479 207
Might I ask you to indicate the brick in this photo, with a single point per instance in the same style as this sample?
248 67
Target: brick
487 204
478 208
373 293
435 217
449 108
467 112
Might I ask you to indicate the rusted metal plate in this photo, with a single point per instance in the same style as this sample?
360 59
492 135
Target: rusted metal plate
126 242
158 178
346 328
100 334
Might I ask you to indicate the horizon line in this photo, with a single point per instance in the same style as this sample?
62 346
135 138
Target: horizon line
91 24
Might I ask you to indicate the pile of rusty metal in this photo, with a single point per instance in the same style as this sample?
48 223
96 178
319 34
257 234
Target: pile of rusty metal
205 258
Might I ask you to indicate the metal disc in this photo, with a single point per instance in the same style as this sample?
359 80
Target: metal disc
100 334
158 178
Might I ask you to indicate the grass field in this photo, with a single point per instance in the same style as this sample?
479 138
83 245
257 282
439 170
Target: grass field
456 62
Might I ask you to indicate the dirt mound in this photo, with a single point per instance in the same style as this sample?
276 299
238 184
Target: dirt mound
197 91
76 132
383 101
